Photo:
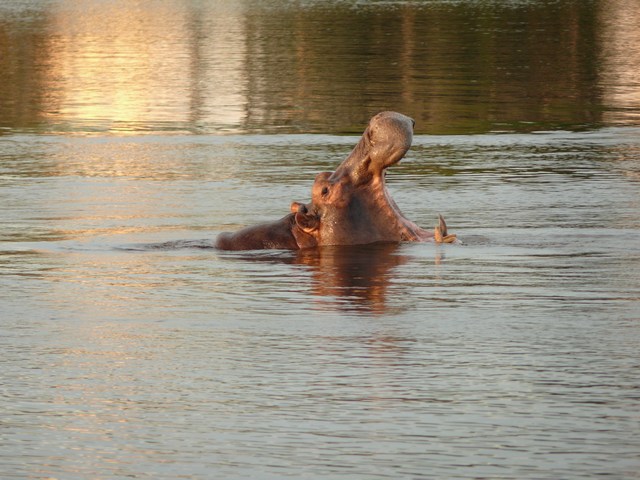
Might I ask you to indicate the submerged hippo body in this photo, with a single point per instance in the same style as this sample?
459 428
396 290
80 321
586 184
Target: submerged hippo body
350 206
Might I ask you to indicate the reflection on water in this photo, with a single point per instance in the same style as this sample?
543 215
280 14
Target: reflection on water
107 69
130 348
621 58
349 278
456 67
358 278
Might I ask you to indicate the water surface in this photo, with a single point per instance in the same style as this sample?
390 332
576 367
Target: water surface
135 132
455 66
132 348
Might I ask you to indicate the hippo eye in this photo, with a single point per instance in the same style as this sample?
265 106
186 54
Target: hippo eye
325 190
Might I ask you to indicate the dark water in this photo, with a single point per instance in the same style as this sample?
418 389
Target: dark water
134 132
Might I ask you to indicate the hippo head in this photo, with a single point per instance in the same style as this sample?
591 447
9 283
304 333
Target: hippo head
352 205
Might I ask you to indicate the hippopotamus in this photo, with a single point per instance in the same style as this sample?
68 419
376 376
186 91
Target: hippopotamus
350 206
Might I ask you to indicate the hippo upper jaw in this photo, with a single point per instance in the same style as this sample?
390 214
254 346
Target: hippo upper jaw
384 142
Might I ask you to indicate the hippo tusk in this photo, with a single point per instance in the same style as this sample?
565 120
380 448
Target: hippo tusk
440 234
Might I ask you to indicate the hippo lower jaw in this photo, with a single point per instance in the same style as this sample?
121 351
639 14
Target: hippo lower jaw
371 215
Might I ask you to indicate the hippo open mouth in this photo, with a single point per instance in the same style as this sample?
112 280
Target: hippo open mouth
350 206
353 205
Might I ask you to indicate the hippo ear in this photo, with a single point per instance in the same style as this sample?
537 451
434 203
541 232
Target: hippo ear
307 222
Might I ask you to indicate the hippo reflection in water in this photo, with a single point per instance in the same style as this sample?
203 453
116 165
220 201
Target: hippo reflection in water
350 206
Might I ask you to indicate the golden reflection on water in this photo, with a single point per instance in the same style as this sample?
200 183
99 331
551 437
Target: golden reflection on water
122 67
109 77
621 59
238 66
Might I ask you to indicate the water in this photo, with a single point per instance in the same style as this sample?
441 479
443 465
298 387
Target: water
322 67
133 133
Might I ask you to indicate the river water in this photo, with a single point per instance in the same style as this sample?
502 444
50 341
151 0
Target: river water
132 133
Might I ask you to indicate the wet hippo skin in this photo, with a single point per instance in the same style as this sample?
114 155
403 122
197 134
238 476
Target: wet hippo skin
280 234
350 206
